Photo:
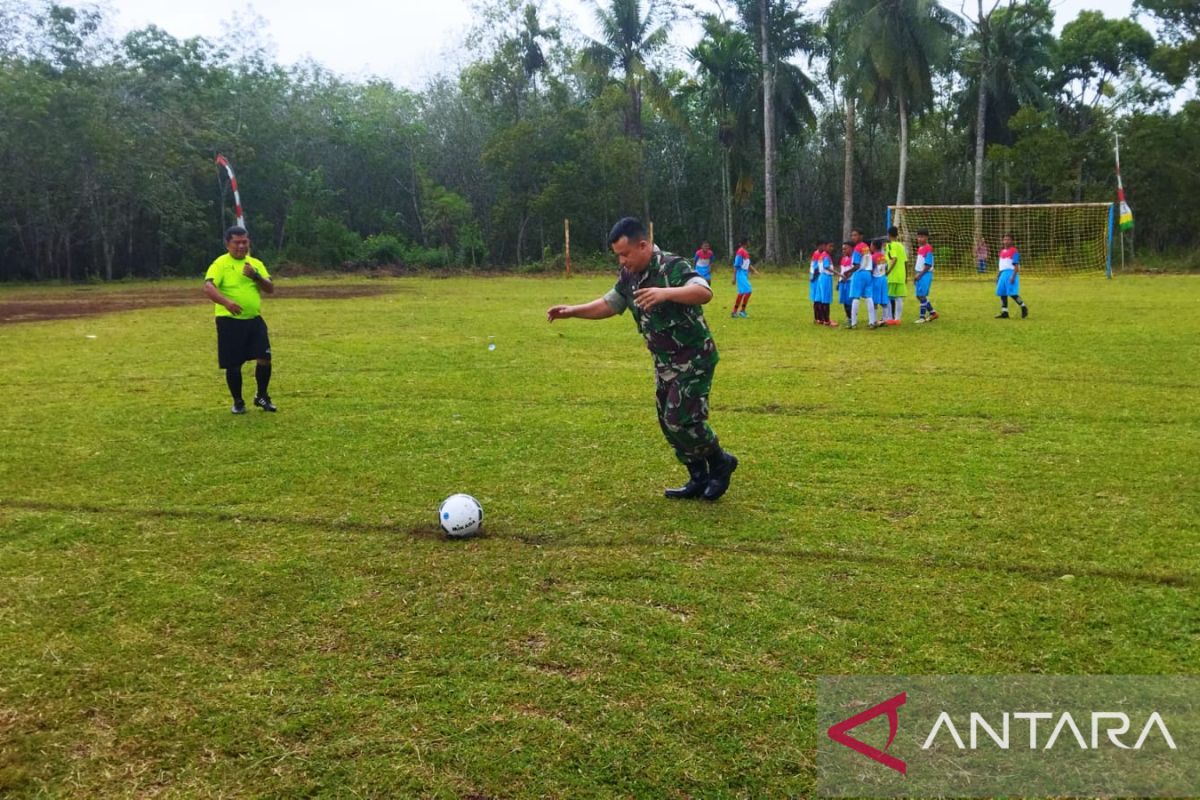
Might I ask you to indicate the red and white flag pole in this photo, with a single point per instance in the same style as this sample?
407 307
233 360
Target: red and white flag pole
237 198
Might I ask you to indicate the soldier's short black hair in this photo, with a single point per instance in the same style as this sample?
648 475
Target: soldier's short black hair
235 230
856 230
922 231
627 228
744 240
894 231
848 243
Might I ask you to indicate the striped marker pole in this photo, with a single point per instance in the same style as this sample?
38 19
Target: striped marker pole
237 198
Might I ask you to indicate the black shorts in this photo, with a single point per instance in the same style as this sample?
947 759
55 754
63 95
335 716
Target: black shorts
241 340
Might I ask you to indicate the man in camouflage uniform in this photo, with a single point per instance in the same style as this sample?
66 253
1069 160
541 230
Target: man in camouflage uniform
665 295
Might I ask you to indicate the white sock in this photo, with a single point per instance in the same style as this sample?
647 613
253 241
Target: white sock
870 310
899 307
887 311
853 312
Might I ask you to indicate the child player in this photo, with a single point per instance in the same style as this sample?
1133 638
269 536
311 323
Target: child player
814 273
704 259
844 287
981 254
923 276
862 286
741 278
897 259
825 291
879 287
1008 282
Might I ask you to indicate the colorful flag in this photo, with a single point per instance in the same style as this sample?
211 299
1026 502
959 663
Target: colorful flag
1125 220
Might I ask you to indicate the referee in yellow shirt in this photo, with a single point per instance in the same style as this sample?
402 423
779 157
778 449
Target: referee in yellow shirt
235 283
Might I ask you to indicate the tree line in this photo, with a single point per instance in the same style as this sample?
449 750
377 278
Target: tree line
782 123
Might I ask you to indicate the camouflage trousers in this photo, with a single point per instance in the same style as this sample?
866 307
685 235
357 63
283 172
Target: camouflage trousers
682 399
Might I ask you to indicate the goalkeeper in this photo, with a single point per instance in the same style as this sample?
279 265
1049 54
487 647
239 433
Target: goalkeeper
897 259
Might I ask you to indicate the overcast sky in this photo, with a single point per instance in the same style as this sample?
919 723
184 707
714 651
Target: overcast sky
406 41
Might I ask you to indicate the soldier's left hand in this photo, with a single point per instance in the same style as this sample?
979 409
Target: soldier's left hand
249 271
650 297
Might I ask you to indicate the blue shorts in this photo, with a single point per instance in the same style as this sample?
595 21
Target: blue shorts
814 291
844 291
825 289
743 282
879 289
1004 288
860 284
705 272
924 283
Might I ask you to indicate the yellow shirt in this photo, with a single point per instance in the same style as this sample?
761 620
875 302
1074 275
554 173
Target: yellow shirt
895 252
226 275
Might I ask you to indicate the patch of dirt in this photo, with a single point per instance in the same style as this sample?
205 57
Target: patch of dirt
87 302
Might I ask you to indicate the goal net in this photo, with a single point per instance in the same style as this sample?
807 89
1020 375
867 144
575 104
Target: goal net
1053 238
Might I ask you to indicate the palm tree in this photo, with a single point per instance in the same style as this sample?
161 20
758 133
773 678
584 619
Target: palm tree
726 67
850 72
782 32
1010 48
905 42
628 39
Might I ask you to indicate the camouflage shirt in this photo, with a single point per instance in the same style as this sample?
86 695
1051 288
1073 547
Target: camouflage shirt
676 334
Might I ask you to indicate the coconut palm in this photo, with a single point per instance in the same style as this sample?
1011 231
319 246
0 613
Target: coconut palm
781 33
1009 50
850 72
728 84
905 43
628 40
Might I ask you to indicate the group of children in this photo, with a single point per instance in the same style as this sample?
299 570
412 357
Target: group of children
875 273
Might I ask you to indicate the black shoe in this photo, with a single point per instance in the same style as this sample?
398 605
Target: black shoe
1002 315
720 470
697 482
239 407
264 403
1024 312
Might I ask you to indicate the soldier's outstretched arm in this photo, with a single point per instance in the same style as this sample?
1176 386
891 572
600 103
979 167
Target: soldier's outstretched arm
693 294
597 309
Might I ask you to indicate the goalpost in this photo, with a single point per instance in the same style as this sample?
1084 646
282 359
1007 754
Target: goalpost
1053 238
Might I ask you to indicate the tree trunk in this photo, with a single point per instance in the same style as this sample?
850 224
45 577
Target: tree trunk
727 201
980 123
771 249
521 237
848 172
903 156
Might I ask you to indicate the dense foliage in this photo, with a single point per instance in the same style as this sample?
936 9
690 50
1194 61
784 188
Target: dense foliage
107 143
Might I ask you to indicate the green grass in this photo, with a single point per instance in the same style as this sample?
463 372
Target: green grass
195 604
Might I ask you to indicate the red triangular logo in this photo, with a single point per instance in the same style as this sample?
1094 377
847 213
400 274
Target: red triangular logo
839 733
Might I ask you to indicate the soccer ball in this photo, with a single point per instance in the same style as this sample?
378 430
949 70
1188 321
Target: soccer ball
460 515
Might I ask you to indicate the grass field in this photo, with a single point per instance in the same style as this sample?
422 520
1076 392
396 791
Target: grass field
194 604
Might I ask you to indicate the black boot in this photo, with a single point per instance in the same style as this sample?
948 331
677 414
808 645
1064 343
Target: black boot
697 482
720 469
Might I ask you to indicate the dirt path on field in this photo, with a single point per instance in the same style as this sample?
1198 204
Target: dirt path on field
88 302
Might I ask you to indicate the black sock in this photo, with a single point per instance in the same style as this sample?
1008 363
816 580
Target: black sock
1017 297
847 307
233 379
262 374
817 311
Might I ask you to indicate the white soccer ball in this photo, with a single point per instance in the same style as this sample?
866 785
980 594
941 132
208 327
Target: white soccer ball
460 515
